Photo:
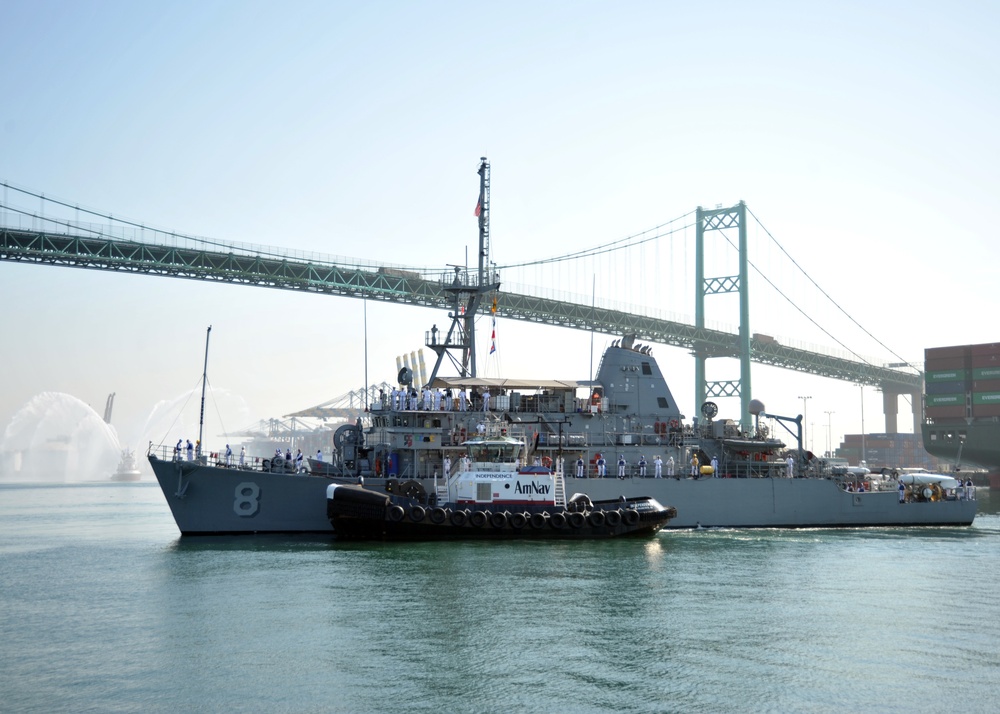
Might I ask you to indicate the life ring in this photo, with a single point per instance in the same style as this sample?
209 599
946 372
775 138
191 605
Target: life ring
417 514
396 513
537 520
518 520
576 520
547 462
674 423
558 520
614 518
459 518
438 515
631 517
597 519
478 519
499 519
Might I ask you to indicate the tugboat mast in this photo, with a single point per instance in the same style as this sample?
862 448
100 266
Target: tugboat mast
468 292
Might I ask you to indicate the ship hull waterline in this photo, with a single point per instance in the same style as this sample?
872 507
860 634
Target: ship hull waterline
207 500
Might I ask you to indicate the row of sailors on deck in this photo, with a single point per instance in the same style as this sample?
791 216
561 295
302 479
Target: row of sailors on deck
192 449
601 465
428 399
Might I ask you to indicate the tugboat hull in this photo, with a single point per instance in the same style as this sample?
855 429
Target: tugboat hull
360 514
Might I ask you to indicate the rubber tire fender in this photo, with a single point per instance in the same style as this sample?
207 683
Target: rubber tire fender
459 518
396 513
417 514
537 520
614 518
558 520
576 520
518 520
631 517
499 520
597 519
438 515
479 519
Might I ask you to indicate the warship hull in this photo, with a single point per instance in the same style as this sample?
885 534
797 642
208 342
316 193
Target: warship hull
215 500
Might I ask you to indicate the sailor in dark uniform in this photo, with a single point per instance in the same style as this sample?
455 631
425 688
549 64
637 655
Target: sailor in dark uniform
642 466
579 467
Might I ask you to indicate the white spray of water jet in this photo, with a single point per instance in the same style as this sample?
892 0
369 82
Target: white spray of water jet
56 438
177 418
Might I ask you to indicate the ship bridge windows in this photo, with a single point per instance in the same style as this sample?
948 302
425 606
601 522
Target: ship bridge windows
646 369
661 402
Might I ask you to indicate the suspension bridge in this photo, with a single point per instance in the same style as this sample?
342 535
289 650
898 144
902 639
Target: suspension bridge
54 235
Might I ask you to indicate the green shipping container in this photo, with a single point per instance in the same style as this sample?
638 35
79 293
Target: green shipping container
986 373
944 400
948 375
986 398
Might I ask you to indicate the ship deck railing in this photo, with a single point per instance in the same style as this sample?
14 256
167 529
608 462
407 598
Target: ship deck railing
215 458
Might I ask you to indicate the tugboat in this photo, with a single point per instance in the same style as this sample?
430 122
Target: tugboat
127 469
493 495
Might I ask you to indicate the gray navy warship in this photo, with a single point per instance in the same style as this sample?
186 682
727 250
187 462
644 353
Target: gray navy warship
625 417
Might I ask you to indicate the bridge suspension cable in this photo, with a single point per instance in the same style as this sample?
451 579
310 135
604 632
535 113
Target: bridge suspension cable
616 245
822 292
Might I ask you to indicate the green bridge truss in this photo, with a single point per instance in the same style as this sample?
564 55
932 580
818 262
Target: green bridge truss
414 287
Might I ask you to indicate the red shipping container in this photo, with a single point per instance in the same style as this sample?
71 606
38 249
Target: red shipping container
942 364
938 352
986 385
936 413
986 410
989 360
991 348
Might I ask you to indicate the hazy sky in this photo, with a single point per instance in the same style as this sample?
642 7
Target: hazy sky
861 134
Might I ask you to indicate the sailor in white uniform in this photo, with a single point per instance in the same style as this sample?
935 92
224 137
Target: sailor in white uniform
190 450
243 455
657 467
446 464
642 466
621 465
319 454
601 466
670 466
715 467
486 400
229 456
790 462
463 401
579 467
902 492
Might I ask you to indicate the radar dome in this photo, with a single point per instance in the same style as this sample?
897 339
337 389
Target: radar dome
757 407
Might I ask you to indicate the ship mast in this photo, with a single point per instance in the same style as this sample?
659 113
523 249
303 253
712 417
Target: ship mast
467 293
204 382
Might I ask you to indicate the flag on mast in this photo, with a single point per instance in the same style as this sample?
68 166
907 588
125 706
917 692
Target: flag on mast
479 206
493 337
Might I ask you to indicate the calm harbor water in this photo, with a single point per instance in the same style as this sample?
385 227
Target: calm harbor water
103 607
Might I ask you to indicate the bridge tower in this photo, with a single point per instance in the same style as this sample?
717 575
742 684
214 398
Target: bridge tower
717 220
467 292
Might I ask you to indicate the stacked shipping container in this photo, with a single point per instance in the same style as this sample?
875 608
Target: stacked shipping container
962 381
887 450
